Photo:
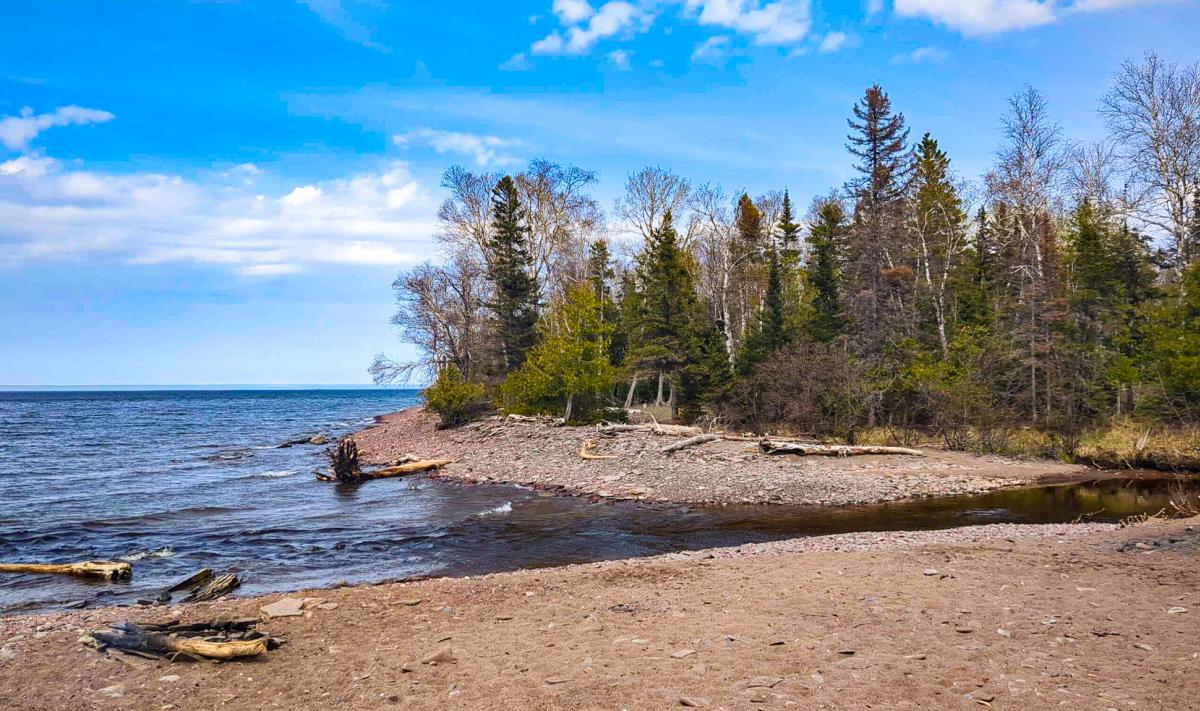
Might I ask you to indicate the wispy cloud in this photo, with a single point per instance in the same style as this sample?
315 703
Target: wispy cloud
52 211
619 58
835 41
711 50
986 17
920 55
484 150
334 14
587 27
16 132
516 63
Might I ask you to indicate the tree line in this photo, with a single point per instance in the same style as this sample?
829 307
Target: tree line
1059 290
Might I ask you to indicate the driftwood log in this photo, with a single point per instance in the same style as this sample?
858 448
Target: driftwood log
219 586
106 569
133 638
419 465
770 446
610 428
585 452
691 442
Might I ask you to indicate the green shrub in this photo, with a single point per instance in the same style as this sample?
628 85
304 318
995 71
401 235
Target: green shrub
455 399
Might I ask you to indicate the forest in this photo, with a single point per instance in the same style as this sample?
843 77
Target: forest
1055 297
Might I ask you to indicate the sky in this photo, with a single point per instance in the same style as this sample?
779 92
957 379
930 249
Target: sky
217 191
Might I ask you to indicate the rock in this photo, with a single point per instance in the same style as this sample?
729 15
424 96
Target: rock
1176 610
115 691
319 439
327 606
287 607
692 702
410 602
1003 632
557 680
930 571
763 682
443 655
169 678
683 653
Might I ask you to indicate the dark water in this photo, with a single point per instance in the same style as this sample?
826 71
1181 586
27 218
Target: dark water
175 481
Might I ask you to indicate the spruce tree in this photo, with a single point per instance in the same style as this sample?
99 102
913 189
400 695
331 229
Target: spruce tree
514 304
600 275
770 333
789 234
938 224
824 274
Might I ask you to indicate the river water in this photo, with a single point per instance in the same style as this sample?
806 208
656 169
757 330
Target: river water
178 480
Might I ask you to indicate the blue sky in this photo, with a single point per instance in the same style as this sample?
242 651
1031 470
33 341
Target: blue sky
221 192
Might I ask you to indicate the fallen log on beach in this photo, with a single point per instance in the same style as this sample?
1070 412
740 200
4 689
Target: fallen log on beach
106 569
691 442
611 428
129 637
769 446
585 452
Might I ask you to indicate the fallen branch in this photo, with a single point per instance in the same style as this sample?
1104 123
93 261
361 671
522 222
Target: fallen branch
769 446
609 429
540 419
691 442
412 467
585 452
132 638
106 569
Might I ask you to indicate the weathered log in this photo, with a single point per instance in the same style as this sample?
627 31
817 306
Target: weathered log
609 428
219 586
107 569
132 638
539 419
191 581
419 465
769 446
690 442
585 452
343 460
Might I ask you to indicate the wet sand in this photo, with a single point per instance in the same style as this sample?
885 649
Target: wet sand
1021 617
725 472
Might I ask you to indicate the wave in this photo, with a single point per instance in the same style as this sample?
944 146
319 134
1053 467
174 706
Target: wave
503 508
276 473
164 552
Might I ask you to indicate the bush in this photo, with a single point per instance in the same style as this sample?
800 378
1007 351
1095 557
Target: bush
455 399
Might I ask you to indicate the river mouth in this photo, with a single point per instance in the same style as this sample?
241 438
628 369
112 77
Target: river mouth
476 529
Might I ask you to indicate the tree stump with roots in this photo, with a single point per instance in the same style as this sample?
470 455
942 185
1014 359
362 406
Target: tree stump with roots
343 460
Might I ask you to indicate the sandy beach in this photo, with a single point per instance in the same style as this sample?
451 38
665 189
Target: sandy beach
1021 617
725 472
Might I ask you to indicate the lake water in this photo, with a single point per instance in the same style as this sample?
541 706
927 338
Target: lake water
179 480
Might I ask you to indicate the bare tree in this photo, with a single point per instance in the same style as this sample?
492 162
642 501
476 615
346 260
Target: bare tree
465 217
1153 113
562 220
650 194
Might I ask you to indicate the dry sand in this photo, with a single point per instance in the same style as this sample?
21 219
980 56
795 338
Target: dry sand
1016 617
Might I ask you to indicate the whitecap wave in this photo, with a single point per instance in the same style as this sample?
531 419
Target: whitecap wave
164 552
276 473
503 508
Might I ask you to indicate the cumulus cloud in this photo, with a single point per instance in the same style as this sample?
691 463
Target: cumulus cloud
49 210
619 59
484 150
16 132
771 23
985 17
570 12
920 55
611 19
711 49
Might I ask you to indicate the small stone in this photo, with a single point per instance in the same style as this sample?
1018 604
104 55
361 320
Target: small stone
1144 647
1003 632
763 682
846 652
930 571
692 702
1176 610
328 606
683 653
443 655
115 691
557 680
287 607
410 602
169 678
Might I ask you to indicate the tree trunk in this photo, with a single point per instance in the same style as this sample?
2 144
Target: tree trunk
658 400
674 404
570 404
629 395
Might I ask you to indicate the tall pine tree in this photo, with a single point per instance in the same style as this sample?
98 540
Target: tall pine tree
824 272
514 304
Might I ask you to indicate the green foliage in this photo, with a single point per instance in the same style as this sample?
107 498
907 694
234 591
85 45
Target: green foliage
824 272
1175 344
453 397
568 371
770 333
510 268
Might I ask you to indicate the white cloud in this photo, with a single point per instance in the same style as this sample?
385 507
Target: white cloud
619 59
17 131
484 150
920 55
334 14
570 12
711 49
772 23
51 211
516 63
984 17
550 44
834 41
873 7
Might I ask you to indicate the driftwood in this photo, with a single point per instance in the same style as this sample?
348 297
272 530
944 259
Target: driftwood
691 442
769 446
106 569
219 586
343 460
585 452
192 581
133 638
411 467
609 429
540 419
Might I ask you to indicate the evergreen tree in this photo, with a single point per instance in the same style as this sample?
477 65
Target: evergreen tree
770 333
938 223
824 272
600 275
789 234
1174 356
514 304
977 276
1191 245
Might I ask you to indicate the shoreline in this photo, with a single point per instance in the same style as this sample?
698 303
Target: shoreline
1003 612
545 457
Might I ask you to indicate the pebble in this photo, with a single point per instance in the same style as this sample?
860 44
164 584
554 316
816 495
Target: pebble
692 701
681 654
930 571
169 678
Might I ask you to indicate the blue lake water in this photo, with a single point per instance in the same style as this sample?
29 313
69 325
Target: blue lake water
178 480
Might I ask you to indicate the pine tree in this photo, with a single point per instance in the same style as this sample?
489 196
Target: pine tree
789 234
510 269
1191 245
824 272
770 333
977 276
600 275
938 223
878 139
